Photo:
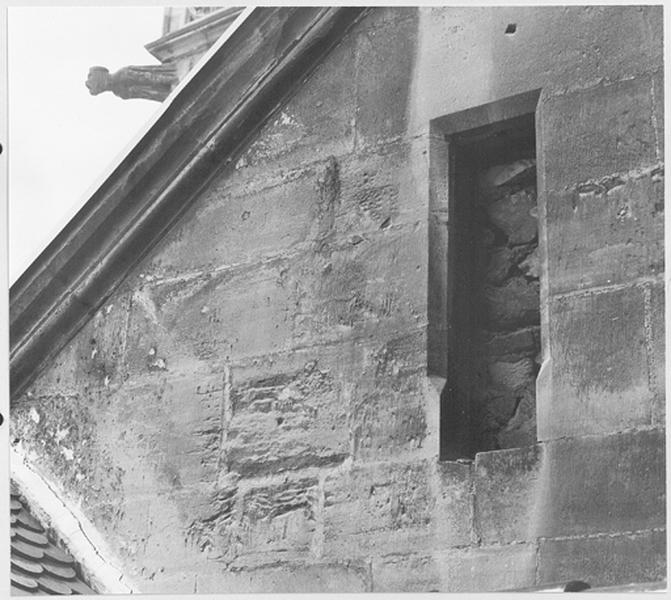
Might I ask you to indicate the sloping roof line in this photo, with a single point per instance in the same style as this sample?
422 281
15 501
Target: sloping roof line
195 36
95 562
206 121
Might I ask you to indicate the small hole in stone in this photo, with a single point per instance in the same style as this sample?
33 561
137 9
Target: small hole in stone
512 28
280 420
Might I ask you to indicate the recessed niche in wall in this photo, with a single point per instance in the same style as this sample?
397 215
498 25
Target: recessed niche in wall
484 288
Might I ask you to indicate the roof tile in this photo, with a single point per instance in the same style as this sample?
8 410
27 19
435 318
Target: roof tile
17 591
59 571
25 583
28 521
38 565
27 566
55 553
53 586
26 535
27 550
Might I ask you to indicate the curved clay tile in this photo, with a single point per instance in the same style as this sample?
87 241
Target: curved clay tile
38 565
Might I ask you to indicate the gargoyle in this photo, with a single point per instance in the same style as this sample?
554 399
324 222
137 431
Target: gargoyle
151 82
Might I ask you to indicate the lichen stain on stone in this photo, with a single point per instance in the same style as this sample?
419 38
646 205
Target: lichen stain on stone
64 437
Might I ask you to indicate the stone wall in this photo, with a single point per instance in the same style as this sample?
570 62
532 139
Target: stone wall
508 331
251 411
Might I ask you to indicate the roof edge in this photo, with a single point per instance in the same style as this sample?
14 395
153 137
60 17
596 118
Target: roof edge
198 33
78 534
246 78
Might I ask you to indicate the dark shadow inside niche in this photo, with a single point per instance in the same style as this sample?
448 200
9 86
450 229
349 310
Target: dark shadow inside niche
493 312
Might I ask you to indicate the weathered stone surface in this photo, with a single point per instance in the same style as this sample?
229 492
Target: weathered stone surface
95 359
405 573
619 485
487 568
515 342
598 365
453 516
277 523
499 175
241 226
501 261
498 409
494 306
379 185
511 375
611 132
151 533
173 424
212 314
385 57
604 560
367 503
242 417
272 306
656 328
520 430
388 404
564 48
514 304
340 293
60 435
657 92
531 265
337 577
286 421
516 215
606 232
507 486
316 123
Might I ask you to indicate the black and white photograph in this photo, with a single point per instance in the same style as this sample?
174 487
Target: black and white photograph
334 299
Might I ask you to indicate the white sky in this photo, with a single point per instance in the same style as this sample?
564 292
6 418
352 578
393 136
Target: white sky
60 137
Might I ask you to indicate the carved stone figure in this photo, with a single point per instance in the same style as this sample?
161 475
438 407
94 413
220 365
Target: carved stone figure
150 82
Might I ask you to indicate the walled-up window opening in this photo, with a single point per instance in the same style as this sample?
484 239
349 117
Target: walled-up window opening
490 333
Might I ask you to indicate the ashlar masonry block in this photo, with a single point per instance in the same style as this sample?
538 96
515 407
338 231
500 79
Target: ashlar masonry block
367 508
507 485
606 232
384 63
604 560
487 568
655 329
597 132
405 573
600 484
598 365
